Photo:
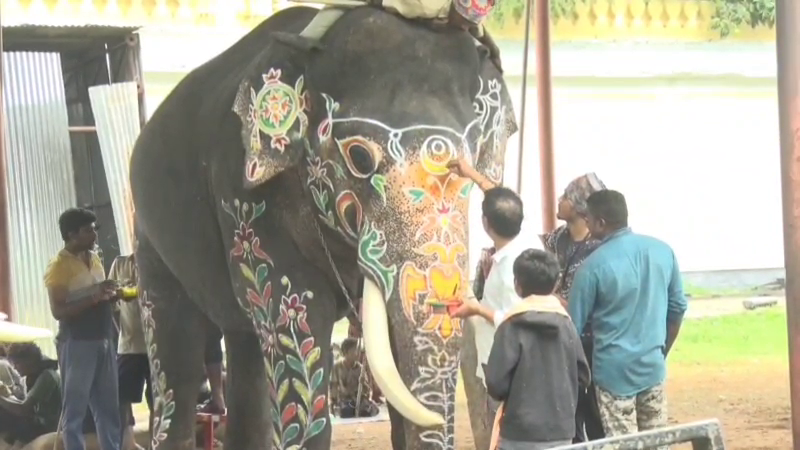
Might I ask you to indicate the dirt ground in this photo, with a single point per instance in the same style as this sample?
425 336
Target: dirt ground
752 403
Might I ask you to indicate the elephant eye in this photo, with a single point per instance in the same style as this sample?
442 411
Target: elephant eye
360 155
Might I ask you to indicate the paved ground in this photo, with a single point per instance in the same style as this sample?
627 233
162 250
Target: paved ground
699 308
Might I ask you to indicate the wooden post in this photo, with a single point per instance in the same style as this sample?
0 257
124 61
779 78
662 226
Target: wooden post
544 91
788 34
6 303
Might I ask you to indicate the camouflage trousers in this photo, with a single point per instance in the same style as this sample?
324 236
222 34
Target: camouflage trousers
626 415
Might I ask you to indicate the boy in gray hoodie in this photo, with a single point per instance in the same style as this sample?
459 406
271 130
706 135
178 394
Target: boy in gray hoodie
537 364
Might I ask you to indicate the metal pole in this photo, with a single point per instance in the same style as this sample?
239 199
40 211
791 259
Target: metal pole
787 18
544 90
524 100
82 129
5 250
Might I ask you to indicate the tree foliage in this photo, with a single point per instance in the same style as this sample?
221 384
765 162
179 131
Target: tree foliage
513 10
728 17
732 14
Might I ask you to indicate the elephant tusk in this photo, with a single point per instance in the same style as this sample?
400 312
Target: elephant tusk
381 362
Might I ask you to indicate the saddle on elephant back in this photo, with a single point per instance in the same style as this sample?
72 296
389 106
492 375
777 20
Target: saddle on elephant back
465 14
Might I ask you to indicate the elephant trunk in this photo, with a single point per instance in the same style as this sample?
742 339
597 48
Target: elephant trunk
382 364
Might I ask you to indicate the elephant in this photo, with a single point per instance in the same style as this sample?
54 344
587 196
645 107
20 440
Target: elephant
275 178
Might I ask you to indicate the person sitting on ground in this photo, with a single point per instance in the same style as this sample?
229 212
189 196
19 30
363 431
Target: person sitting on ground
39 411
9 377
536 344
206 394
214 374
345 380
354 331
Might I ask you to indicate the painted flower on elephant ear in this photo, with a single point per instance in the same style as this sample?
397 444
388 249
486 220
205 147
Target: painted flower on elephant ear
293 310
246 244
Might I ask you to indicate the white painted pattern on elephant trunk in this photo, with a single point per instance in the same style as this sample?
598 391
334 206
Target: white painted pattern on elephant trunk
381 362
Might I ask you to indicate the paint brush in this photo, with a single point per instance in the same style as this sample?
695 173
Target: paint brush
453 306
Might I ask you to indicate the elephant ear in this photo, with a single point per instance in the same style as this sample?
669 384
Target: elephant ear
273 106
496 121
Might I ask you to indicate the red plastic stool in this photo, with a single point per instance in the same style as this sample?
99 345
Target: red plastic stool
208 421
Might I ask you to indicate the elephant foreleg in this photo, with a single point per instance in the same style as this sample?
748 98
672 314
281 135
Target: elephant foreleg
174 331
248 414
297 367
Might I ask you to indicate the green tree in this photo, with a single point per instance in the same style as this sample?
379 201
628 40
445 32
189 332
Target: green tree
729 15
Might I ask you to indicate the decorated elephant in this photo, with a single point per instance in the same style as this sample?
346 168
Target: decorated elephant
276 176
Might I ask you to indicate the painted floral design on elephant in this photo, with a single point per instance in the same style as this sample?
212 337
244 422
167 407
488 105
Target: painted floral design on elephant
440 371
333 201
371 252
286 339
321 186
432 285
163 402
429 292
494 123
273 110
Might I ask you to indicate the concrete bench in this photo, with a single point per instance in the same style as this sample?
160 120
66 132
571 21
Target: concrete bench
704 435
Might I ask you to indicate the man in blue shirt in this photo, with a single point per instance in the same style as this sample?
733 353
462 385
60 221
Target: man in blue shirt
630 289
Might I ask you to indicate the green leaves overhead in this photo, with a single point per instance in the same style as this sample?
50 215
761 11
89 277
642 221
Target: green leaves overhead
729 15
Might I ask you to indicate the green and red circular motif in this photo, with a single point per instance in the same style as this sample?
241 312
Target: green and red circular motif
276 108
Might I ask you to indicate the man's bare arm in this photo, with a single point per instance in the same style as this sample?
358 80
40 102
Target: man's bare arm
480 180
62 309
461 168
673 328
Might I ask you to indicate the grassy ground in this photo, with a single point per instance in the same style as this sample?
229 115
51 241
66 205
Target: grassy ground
747 337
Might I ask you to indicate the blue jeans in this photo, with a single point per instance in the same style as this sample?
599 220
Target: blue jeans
505 444
89 379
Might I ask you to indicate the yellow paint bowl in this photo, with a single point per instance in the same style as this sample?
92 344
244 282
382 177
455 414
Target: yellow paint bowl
129 293
443 307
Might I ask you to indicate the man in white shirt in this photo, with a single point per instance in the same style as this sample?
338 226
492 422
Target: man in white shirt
502 221
132 361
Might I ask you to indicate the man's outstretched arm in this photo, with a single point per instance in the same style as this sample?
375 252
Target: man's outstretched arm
462 168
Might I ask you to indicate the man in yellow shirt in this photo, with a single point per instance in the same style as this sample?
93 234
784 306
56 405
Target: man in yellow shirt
80 299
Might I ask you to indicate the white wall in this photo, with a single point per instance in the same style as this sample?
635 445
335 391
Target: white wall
699 165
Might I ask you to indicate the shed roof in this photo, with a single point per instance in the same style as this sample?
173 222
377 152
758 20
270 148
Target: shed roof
30 37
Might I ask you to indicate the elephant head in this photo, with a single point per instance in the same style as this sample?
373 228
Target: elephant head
369 119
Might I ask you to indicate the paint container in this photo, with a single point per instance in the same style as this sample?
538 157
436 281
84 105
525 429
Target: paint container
443 307
129 293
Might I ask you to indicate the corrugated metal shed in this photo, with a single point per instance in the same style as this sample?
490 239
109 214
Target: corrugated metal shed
116 115
40 176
